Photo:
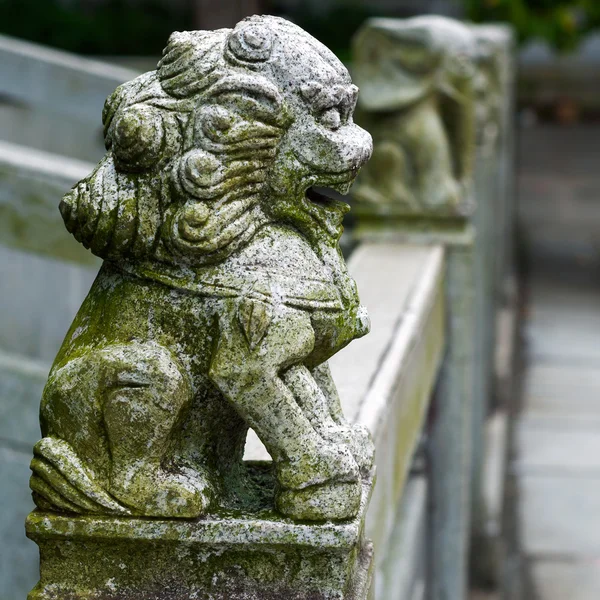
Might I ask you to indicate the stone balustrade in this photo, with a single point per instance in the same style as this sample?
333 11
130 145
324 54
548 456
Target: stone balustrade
438 103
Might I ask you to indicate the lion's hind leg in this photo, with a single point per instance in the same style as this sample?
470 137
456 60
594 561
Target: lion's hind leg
60 481
143 411
316 393
109 418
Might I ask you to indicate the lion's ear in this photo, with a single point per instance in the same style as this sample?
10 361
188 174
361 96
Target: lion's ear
134 130
188 61
136 137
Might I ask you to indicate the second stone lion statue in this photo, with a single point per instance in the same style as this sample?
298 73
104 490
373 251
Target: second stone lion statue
223 291
417 78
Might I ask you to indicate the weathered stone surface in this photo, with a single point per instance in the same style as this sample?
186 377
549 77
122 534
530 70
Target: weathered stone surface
222 295
417 79
248 554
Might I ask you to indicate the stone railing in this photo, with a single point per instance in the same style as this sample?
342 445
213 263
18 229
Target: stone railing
437 96
49 125
434 283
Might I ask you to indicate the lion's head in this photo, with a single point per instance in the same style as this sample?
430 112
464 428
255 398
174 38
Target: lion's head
231 131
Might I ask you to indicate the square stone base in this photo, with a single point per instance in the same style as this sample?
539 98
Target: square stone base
234 557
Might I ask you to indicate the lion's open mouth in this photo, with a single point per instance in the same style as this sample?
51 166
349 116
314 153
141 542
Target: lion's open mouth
327 198
327 207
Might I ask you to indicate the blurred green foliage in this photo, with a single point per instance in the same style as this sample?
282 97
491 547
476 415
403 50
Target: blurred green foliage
142 28
114 27
561 23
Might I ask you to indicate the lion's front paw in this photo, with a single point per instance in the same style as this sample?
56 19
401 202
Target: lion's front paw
443 194
358 440
155 492
330 501
332 463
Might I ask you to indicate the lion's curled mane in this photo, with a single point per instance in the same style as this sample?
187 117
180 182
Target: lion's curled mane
188 150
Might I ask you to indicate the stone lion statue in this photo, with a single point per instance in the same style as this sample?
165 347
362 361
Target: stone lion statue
417 79
223 290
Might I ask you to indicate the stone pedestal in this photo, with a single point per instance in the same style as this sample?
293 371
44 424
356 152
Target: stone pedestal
231 555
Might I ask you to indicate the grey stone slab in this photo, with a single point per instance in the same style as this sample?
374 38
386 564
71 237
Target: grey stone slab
578 311
19 556
558 444
560 515
562 291
554 580
38 299
564 335
562 389
55 81
584 401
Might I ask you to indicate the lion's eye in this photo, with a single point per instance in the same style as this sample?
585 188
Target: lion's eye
331 118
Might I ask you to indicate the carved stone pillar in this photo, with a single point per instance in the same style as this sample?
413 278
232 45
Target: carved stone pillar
494 275
222 295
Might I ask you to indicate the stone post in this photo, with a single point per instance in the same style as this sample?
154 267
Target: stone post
417 79
222 295
493 262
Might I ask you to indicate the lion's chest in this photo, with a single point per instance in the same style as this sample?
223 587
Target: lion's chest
333 330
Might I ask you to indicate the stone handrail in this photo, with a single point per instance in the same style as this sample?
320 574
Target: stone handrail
55 81
52 100
31 185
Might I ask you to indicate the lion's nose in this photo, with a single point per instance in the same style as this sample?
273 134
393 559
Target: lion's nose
363 146
367 150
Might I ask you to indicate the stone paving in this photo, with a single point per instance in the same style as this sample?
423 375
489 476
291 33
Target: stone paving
558 440
557 464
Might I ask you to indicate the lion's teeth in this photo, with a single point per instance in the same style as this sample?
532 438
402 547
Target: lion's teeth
343 188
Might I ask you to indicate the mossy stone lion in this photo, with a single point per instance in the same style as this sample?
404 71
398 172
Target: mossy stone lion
223 290
417 77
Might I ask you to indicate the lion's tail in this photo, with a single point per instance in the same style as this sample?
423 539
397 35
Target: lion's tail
114 214
61 482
